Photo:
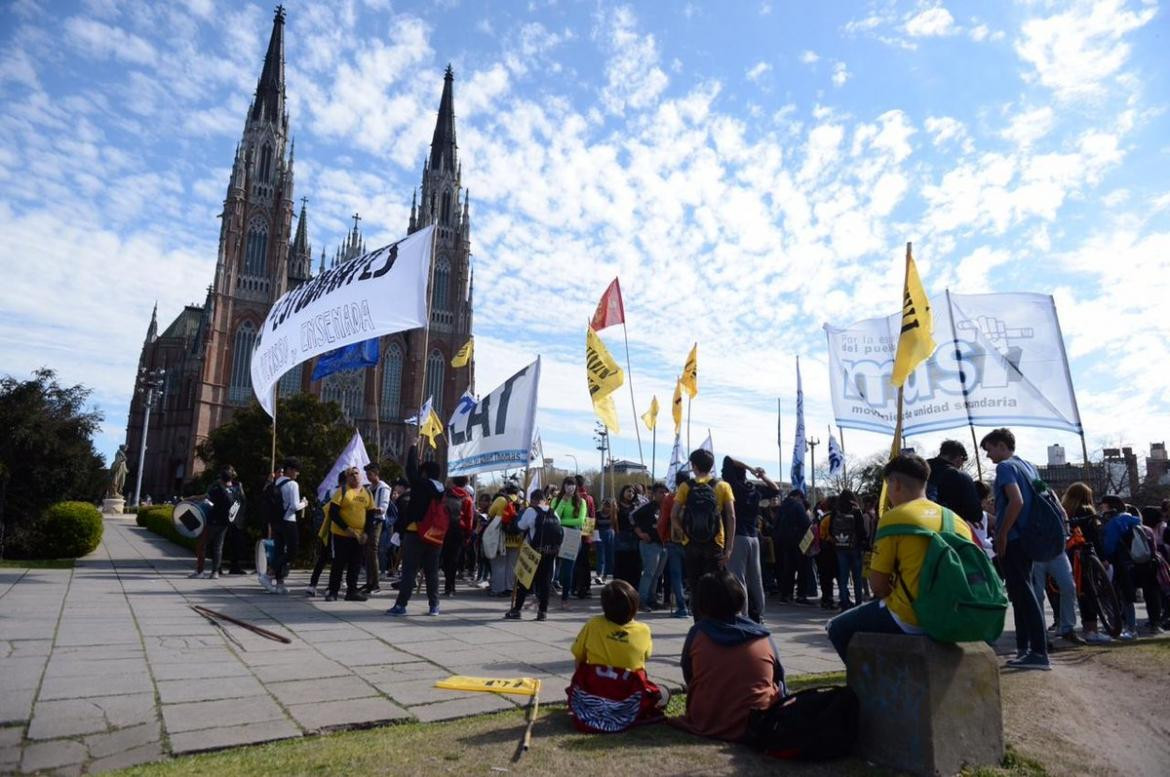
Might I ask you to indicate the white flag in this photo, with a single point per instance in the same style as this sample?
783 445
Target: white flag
533 482
496 434
536 457
677 462
379 293
836 457
798 446
708 445
354 455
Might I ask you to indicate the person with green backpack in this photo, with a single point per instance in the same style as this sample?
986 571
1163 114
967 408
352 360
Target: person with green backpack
927 574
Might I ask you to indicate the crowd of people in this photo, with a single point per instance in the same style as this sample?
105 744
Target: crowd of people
714 547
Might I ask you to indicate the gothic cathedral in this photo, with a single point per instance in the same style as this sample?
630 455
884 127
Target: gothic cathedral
206 351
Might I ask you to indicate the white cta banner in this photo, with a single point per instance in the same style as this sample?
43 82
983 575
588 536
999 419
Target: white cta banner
496 432
1000 361
378 293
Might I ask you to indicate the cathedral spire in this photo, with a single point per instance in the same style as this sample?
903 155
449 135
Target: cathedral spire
443 147
268 104
300 253
152 330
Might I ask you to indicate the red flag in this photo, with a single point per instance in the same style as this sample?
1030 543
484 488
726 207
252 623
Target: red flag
610 310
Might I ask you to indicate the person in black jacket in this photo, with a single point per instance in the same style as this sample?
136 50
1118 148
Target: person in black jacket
950 486
222 494
425 487
791 524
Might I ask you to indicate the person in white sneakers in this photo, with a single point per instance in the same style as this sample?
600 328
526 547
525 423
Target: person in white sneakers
287 494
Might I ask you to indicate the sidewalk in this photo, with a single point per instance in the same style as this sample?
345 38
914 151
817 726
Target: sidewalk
106 665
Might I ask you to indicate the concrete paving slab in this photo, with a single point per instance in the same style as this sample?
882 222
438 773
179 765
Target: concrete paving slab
127 758
231 736
50 755
311 691
192 716
208 689
16 705
462 707
97 685
119 741
347 713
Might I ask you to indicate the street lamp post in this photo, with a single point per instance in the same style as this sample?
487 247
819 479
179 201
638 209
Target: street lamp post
148 381
812 449
602 440
576 466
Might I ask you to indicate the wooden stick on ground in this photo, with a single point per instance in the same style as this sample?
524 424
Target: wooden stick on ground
533 710
204 611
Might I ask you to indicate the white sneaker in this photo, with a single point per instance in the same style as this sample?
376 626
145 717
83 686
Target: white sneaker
205 575
266 583
1127 636
280 589
310 591
195 575
1097 638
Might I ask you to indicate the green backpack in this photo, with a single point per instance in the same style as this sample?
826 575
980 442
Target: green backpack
960 596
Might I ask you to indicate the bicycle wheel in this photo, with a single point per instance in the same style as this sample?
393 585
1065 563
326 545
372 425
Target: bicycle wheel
1102 591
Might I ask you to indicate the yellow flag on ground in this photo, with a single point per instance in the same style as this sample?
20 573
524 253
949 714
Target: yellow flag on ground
916 341
690 373
676 407
431 426
604 377
517 686
463 355
650 417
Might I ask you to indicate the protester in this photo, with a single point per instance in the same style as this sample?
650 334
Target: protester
1130 574
704 510
1013 498
458 499
826 554
744 562
626 555
605 518
791 525
950 486
236 544
897 561
650 547
983 530
380 498
544 534
583 566
674 541
348 516
847 528
610 691
503 515
324 536
1085 528
425 487
388 544
730 664
223 494
284 525
572 511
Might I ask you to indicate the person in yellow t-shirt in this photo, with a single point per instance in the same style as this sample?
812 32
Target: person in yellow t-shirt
700 555
614 638
347 513
897 561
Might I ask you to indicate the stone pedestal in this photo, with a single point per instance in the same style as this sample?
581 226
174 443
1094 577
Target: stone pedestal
115 505
927 708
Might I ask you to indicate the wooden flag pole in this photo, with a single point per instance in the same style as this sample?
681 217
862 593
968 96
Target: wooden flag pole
422 383
779 445
654 451
958 356
275 399
630 377
689 423
844 465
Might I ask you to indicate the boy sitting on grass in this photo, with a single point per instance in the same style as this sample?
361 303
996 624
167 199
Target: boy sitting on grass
609 691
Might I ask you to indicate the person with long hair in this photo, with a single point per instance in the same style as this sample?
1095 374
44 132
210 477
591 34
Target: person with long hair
1080 508
572 511
605 517
627 560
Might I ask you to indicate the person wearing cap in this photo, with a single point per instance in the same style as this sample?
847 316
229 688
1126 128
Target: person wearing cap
950 486
284 530
222 494
380 496
425 487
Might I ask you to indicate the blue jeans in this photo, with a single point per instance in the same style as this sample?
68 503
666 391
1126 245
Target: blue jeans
848 563
871 617
1060 570
652 553
565 574
1029 619
675 556
605 553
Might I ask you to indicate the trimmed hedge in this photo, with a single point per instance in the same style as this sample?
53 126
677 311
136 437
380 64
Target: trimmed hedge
66 530
160 520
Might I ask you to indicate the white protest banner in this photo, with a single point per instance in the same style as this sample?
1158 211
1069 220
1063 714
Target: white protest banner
378 293
354 455
1000 361
571 544
496 434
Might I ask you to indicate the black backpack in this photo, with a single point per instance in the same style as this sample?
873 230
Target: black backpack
843 528
547 533
701 512
272 505
814 724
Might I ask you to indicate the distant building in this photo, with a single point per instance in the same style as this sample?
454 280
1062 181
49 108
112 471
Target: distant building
1056 455
1060 476
1157 465
625 467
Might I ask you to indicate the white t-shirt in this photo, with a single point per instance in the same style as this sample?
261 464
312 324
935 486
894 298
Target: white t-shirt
292 498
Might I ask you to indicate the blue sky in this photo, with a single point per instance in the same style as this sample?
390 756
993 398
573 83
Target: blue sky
750 170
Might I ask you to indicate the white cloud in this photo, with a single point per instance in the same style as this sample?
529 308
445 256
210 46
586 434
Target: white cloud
809 57
931 23
1077 51
841 74
1028 127
106 41
633 77
758 71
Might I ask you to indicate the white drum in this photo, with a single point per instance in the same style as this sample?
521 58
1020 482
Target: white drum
190 517
264 552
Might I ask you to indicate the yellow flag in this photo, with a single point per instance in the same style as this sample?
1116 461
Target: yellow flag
676 407
916 341
650 417
518 686
431 428
463 355
690 373
604 377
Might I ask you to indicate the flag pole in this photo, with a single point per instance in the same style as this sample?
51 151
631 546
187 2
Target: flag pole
779 445
844 465
630 376
275 398
422 383
688 422
958 356
654 451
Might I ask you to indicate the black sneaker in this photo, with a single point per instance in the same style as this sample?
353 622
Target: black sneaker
541 616
331 597
356 596
512 615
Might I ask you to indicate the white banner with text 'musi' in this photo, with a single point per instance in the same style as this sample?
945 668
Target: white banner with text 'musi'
379 293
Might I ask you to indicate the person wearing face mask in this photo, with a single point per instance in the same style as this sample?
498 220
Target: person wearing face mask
572 512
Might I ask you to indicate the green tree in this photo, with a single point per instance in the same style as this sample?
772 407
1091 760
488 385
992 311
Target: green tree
46 448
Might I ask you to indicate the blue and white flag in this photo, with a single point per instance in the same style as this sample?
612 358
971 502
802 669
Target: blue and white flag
836 457
464 406
798 446
677 462
356 356
496 433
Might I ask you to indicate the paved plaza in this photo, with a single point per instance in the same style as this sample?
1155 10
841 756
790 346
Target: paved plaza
106 665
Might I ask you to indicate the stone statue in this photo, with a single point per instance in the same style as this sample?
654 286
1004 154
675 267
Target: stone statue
118 472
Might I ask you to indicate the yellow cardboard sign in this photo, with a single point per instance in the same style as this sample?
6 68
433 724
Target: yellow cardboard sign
526 564
517 686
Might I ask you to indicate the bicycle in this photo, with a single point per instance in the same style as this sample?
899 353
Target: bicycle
1092 581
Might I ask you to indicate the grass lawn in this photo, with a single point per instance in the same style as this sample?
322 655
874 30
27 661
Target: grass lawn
488 745
53 563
